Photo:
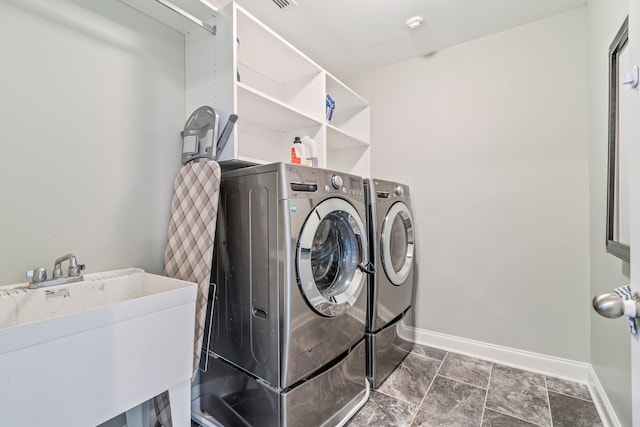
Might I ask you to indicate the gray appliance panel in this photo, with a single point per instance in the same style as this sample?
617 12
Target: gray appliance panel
262 323
235 399
246 326
385 300
386 349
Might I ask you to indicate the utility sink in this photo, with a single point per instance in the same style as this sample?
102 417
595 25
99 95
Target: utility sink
82 353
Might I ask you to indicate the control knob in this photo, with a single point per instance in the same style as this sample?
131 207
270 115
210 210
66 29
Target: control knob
336 181
399 190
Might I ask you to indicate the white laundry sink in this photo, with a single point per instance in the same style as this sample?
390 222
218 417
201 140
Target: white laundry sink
82 353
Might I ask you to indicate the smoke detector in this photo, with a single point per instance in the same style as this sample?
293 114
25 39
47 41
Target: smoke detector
285 4
414 22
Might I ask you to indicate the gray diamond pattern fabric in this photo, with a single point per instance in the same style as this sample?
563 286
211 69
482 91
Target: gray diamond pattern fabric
189 251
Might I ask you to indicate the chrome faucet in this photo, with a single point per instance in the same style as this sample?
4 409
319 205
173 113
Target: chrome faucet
38 275
74 268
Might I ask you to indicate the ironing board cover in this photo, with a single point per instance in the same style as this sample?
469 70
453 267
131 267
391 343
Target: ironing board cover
189 251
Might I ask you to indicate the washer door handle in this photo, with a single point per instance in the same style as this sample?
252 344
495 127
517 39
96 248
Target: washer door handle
369 268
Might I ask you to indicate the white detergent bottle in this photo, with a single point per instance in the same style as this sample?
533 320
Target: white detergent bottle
299 153
312 155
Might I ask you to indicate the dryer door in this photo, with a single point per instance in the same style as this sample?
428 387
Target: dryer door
331 247
397 243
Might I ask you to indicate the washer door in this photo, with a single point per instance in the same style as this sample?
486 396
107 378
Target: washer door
331 247
397 243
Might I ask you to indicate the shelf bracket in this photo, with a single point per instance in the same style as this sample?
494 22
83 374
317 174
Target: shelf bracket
200 23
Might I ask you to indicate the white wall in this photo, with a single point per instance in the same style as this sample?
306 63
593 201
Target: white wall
92 100
610 345
491 136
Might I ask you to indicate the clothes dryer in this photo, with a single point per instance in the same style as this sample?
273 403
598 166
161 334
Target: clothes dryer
287 337
390 289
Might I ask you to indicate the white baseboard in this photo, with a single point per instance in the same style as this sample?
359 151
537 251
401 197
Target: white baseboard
557 367
601 400
535 362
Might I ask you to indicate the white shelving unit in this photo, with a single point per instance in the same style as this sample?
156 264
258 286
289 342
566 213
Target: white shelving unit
277 92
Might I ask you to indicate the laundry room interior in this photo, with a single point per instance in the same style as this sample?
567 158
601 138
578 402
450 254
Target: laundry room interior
489 121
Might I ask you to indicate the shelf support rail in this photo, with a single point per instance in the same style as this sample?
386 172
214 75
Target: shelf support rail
200 23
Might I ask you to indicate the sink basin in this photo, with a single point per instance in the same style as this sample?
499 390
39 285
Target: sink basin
82 353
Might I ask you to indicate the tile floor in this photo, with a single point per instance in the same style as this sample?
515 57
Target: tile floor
432 387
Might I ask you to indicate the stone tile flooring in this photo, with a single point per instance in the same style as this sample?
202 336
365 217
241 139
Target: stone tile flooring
433 388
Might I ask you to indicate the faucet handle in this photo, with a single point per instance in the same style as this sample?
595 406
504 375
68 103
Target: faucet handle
37 275
74 270
57 271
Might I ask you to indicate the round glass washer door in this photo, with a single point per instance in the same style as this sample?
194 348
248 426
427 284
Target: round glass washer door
331 247
397 243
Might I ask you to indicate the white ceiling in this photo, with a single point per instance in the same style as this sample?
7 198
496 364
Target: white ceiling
348 37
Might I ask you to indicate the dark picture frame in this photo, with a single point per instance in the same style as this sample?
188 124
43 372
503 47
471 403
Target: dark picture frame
613 245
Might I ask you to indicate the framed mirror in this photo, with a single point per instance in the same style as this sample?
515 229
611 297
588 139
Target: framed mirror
618 167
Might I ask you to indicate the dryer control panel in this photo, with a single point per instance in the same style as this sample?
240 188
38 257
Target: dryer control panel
381 191
388 190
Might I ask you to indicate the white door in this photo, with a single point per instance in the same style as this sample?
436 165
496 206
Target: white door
629 131
634 127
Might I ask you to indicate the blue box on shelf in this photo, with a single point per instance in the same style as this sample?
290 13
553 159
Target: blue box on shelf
331 105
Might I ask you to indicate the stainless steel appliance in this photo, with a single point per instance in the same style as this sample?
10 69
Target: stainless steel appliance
287 336
390 289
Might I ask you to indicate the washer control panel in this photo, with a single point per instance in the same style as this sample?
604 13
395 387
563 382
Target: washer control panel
355 186
307 181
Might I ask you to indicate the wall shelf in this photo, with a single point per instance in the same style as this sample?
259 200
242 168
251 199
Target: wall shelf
277 92
338 139
262 109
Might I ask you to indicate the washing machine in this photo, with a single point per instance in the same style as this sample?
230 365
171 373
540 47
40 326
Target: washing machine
286 338
390 288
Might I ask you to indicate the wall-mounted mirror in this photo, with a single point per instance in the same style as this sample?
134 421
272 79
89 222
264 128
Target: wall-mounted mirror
618 168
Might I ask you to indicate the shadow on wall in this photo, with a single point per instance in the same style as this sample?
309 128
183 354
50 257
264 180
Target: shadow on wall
96 104
92 11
